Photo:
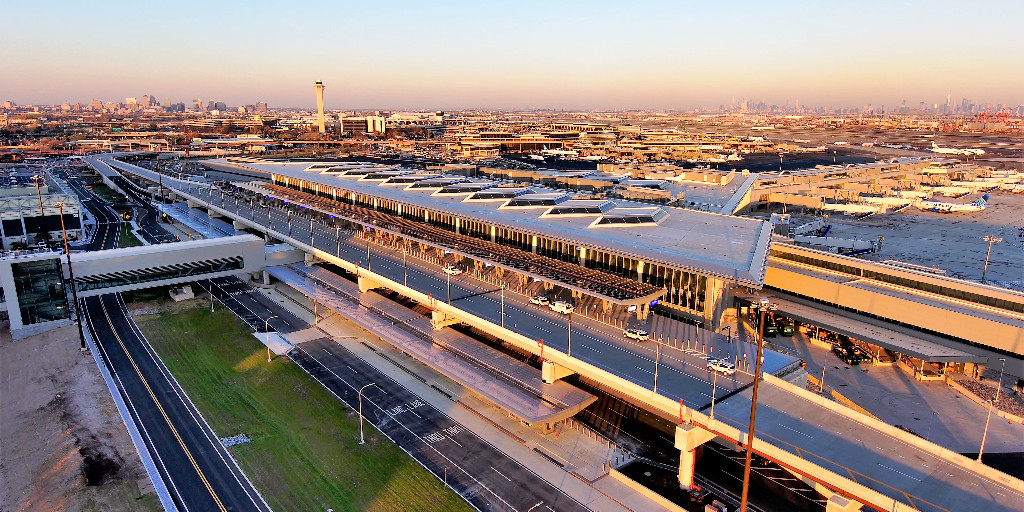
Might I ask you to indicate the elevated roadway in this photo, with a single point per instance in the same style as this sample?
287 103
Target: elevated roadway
671 382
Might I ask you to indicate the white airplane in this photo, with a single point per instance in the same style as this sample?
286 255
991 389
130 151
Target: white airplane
953 151
938 206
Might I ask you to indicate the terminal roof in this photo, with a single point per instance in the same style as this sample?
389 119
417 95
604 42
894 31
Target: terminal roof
727 247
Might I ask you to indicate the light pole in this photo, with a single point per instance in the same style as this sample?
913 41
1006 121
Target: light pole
361 441
36 178
714 388
568 333
503 305
366 232
657 359
762 307
991 240
448 279
266 331
728 335
71 274
984 436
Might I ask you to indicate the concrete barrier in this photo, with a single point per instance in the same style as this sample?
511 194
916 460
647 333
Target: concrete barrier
644 491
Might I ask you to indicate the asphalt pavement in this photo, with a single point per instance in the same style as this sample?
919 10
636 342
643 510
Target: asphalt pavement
200 474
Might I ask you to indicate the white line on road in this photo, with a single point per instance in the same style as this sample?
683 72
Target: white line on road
503 476
902 473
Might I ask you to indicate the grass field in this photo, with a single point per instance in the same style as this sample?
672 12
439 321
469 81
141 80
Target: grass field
305 453
127 238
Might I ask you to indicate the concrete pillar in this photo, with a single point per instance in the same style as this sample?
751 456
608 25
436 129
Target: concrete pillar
533 244
582 254
238 225
458 223
688 438
494 234
687 468
550 372
367 284
266 277
838 503
639 270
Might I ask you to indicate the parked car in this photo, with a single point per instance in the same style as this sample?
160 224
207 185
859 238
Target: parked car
721 366
636 334
452 270
540 300
786 327
562 307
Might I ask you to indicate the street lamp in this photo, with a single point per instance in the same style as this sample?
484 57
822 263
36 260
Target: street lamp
361 440
728 335
714 388
984 436
71 272
991 240
568 319
762 306
266 331
366 232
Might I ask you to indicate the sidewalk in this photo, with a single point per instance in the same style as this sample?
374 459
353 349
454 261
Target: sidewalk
573 459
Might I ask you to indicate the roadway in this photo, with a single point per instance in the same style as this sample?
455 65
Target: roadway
475 469
197 468
199 473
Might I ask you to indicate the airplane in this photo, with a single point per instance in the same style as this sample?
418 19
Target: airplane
938 206
953 151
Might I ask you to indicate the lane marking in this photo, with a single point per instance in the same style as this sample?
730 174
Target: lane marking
160 408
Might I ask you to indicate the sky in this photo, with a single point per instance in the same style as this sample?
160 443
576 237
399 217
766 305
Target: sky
575 55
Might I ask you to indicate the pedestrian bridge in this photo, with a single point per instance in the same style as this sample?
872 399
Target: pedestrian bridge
34 283
133 268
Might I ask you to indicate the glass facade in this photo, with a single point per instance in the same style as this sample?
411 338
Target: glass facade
40 288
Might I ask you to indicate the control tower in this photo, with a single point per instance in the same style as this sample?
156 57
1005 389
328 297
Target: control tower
319 88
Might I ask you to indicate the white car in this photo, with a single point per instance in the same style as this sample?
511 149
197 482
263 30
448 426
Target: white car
540 300
452 270
721 366
636 334
562 307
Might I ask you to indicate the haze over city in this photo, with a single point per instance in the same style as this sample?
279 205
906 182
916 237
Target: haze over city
562 55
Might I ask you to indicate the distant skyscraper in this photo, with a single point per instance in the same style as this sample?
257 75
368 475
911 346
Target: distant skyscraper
319 88
261 106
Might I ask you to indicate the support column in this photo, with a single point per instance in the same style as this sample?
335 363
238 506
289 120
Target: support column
494 234
266 277
838 503
366 284
238 225
533 244
550 372
440 320
688 438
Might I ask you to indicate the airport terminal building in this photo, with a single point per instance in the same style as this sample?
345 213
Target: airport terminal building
695 258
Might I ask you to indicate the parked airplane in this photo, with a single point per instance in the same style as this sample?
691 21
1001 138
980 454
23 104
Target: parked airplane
938 206
954 151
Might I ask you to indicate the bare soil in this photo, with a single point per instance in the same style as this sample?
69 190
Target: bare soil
63 445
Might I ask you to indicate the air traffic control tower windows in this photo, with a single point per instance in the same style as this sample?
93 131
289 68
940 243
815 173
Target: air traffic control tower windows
40 287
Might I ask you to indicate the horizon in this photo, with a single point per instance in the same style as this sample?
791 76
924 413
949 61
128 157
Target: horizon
571 56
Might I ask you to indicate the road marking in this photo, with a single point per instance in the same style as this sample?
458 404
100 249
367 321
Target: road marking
160 407
794 430
904 474
502 475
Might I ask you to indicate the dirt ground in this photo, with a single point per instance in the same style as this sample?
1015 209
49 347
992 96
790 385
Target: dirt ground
63 445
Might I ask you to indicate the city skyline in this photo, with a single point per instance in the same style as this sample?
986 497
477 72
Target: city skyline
569 56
